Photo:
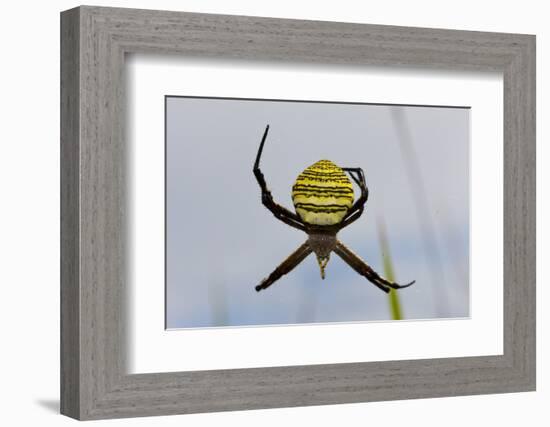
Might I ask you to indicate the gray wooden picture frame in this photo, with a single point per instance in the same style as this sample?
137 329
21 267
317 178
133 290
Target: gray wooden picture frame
94 382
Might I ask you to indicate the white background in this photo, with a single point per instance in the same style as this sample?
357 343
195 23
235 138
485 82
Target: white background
154 350
29 234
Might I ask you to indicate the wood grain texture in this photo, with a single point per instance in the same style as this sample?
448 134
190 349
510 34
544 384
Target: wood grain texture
94 238
70 221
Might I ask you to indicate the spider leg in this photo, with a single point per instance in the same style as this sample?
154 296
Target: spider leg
286 266
357 208
365 270
359 178
351 218
280 212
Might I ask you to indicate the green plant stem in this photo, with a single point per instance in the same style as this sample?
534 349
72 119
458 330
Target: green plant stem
395 305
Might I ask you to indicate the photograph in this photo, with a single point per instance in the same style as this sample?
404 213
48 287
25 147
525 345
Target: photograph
266 213
281 212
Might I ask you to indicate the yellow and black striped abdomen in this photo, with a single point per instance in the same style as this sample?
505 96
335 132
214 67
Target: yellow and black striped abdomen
322 194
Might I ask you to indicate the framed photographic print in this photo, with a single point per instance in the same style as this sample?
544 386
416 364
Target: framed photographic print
326 198
262 213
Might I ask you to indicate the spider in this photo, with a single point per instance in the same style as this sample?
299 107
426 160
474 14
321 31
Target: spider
323 199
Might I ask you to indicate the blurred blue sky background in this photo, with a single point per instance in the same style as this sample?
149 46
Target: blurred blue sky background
221 241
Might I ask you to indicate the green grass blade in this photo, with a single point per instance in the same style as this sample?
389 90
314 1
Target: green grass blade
395 304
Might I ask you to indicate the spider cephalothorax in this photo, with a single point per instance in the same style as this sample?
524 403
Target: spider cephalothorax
324 202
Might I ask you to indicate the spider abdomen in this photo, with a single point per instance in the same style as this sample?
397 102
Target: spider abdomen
322 194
